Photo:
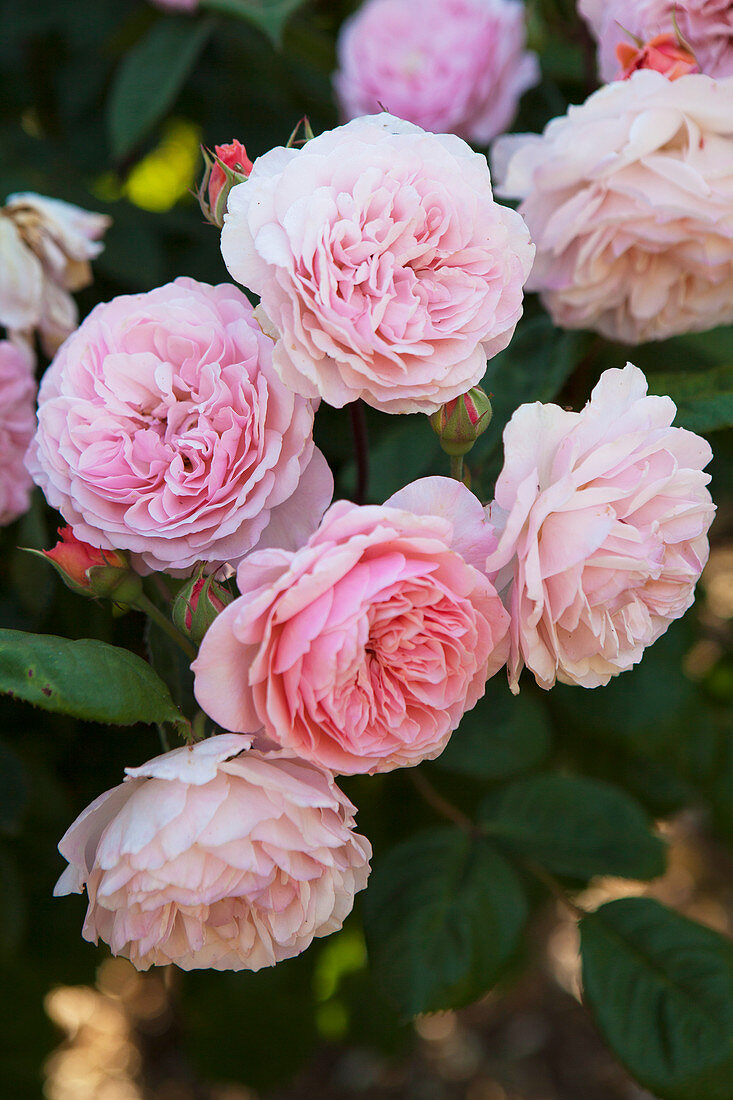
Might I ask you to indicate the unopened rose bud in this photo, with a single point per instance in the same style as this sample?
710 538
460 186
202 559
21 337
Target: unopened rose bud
665 53
460 422
197 604
92 572
225 167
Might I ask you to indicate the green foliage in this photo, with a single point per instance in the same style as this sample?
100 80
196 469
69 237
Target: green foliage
661 990
574 826
704 398
269 15
87 679
443 915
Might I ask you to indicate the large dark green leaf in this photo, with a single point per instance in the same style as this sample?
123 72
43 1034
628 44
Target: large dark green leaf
575 826
704 398
150 77
269 15
661 990
443 914
87 679
503 735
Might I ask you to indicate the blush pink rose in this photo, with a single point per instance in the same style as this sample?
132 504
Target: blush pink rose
705 25
216 856
629 199
362 650
451 66
163 430
602 518
383 263
17 425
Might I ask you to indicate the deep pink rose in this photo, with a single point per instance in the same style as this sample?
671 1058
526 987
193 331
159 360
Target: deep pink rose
451 66
164 430
382 261
629 199
17 425
705 25
603 519
363 649
216 856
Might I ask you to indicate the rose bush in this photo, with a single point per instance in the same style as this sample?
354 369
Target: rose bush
602 518
362 650
17 425
163 430
629 199
385 268
216 855
458 67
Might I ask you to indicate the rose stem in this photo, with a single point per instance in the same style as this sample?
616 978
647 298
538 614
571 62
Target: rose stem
456 467
361 449
146 605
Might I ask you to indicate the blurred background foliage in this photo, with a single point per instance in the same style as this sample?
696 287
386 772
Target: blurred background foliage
104 103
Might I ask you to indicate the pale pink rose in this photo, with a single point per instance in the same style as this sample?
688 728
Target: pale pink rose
362 650
629 199
603 519
216 856
382 261
45 249
706 25
176 5
451 66
163 430
17 425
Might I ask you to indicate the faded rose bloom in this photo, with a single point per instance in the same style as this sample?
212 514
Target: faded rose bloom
17 425
629 199
362 650
163 430
450 66
216 856
705 25
45 249
602 518
663 53
383 264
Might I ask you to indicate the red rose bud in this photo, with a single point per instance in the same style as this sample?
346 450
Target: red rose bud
197 604
665 53
460 422
225 167
92 572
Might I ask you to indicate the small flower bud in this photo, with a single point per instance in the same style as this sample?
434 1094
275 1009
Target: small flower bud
92 572
665 53
225 167
197 604
460 422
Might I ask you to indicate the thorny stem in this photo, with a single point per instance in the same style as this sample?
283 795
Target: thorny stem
447 810
146 605
361 449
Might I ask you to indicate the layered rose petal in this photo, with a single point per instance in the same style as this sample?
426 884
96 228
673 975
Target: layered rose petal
164 430
451 67
629 199
216 856
17 425
602 518
363 649
382 262
705 25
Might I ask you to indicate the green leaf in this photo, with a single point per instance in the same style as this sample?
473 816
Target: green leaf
575 826
87 679
661 990
269 15
704 398
502 736
442 915
149 78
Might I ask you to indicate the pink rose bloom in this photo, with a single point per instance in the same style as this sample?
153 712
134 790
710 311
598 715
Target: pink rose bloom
705 25
362 650
629 199
451 66
163 430
17 425
45 249
603 519
216 856
382 262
